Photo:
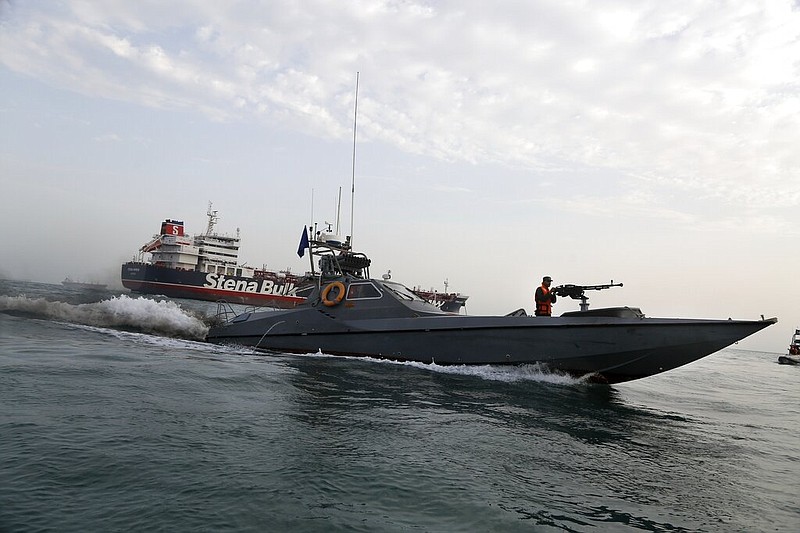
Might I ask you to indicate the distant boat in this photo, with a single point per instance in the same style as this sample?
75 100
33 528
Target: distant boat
793 358
83 285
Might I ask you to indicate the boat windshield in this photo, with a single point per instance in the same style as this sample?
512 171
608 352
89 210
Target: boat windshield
401 291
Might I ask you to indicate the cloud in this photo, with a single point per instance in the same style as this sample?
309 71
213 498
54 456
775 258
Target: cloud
108 137
698 98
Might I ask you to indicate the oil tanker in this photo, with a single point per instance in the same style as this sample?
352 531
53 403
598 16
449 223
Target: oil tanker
206 267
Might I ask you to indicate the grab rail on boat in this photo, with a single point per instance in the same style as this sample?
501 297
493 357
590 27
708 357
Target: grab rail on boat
225 311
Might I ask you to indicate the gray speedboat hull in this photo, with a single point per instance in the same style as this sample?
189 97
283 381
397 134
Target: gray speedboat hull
610 349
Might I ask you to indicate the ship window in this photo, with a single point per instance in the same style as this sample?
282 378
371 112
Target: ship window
238 271
362 291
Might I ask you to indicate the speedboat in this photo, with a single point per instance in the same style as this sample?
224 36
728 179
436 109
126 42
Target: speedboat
793 358
348 313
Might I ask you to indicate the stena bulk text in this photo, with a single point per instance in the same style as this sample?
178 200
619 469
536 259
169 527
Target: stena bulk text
264 286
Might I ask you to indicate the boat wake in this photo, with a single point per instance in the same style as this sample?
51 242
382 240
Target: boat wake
503 373
506 374
164 318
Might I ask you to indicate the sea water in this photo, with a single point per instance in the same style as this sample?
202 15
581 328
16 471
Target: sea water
116 416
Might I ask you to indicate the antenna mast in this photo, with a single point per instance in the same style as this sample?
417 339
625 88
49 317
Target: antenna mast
312 209
338 211
353 183
212 219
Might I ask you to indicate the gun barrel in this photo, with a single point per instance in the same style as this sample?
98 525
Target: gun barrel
599 287
577 291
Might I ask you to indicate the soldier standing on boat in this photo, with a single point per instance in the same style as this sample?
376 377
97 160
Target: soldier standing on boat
545 298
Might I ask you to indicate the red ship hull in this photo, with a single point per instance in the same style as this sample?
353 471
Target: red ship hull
145 278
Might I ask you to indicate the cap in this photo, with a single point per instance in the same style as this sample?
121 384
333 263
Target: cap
547 278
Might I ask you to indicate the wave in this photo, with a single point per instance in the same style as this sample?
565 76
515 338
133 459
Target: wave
503 373
506 374
140 314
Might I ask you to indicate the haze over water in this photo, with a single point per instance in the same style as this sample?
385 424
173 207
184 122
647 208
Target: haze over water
115 416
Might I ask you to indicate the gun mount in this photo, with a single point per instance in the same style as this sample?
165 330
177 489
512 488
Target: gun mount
577 292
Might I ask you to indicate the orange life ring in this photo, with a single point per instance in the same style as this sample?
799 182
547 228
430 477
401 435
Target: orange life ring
326 291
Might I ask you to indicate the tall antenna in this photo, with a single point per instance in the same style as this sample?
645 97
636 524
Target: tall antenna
312 207
353 186
338 211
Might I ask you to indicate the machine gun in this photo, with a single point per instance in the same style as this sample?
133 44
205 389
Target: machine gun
577 292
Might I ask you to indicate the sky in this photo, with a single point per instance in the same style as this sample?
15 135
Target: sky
645 142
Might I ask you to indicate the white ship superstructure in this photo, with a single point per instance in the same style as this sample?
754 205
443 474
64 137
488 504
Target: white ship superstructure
208 252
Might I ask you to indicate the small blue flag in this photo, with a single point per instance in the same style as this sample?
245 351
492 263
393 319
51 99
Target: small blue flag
301 250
